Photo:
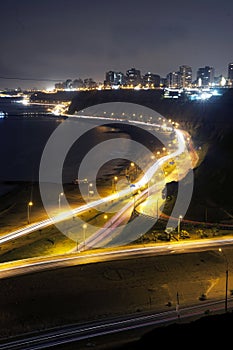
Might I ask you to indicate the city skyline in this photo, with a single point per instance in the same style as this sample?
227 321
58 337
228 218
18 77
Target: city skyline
61 39
193 78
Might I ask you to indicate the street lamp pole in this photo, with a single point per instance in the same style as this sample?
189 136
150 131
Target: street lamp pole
114 180
178 228
89 185
226 289
30 204
59 199
226 284
133 169
84 235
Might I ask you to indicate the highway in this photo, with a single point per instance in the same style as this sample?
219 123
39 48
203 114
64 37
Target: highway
136 321
70 334
31 265
126 192
140 323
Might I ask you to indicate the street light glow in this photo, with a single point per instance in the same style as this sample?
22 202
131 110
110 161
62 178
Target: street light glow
30 204
59 199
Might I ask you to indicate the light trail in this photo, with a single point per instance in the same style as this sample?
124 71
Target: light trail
72 334
36 264
94 204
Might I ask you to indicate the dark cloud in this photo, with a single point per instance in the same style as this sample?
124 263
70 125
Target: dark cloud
71 38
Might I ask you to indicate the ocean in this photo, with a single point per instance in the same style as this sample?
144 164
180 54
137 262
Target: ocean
27 129
23 137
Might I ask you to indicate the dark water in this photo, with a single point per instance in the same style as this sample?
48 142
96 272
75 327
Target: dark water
26 130
24 134
22 139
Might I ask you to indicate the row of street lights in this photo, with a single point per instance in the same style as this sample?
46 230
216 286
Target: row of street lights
30 204
90 192
84 226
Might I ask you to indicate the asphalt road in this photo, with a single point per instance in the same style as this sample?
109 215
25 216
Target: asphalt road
93 288
94 330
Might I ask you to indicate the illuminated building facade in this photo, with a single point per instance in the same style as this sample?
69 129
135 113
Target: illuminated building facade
185 76
205 76
230 73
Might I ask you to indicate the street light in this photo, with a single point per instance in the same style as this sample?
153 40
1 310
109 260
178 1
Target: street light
134 169
114 180
226 288
84 235
89 186
178 228
59 199
30 204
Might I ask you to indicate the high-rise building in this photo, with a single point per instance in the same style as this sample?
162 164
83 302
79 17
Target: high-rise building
78 83
230 72
114 78
173 80
205 76
151 80
133 77
185 76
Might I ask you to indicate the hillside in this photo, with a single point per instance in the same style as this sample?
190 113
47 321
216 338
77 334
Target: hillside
210 125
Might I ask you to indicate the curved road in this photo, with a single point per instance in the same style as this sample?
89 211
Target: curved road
24 266
94 204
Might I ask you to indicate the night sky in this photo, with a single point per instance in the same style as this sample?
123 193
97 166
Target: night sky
61 39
